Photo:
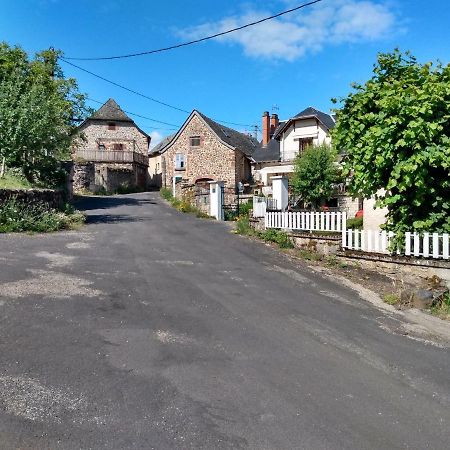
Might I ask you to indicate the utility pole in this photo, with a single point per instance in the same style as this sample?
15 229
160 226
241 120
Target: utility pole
255 131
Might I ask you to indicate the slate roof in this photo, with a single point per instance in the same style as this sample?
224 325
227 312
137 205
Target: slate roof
157 149
271 152
310 112
111 111
236 139
325 118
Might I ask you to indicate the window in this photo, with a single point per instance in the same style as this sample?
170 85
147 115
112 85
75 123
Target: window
303 144
101 147
117 146
111 126
195 141
180 161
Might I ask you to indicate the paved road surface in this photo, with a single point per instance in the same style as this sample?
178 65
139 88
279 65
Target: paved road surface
150 329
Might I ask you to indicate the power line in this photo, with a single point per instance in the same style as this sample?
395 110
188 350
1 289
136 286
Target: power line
141 116
196 41
145 96
124 87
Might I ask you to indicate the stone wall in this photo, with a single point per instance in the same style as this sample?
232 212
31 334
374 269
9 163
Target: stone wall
349 205
408 268
84 177
96 132
95 177
211 160
54 199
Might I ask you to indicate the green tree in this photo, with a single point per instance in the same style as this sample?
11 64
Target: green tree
395 130
39 109
315 173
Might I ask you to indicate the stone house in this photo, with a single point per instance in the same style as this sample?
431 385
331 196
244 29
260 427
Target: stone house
201 151
283 140
110 152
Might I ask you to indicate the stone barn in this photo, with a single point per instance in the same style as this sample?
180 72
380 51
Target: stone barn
202 151
110 152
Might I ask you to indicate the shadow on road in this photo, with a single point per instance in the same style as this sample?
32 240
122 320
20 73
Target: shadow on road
90 203
114 218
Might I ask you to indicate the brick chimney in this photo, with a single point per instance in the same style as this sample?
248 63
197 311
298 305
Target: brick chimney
274 121
265 128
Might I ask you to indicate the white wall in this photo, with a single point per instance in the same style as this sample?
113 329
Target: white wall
373 218
304 128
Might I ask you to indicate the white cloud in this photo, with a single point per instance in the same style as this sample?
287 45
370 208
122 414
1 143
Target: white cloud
306 31
157 137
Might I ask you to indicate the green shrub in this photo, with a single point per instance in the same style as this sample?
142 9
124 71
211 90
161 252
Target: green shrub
243 226
279 237
19 216
166 193
441 307
245 208
355 223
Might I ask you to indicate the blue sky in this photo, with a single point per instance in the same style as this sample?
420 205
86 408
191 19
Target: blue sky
303 59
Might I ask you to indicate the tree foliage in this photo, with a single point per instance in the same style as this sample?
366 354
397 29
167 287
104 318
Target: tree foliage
395 130
315 173
38 112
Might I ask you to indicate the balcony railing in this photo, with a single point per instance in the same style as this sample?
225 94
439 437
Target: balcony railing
112 156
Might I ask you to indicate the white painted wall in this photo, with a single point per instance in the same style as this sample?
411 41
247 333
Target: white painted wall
265 172
215 199
304 128
280 192
373 218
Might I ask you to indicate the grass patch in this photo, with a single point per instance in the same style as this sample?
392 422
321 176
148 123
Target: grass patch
441 307
309 255
270 235
279 237
18 216
391 299
11 180
183 205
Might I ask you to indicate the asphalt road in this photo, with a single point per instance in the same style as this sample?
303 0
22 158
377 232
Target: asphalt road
151 329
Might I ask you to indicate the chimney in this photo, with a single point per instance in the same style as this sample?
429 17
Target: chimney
265 128
274 121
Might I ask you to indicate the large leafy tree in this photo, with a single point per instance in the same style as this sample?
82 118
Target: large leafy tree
395 130
315 173
39 111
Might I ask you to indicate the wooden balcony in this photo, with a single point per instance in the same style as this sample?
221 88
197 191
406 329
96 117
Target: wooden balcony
111 156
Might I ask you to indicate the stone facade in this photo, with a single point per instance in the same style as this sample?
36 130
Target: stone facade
211 160
126 135
348 204
95 177
110 152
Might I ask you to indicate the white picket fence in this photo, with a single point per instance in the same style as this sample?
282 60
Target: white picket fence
367 241
426 245
306 221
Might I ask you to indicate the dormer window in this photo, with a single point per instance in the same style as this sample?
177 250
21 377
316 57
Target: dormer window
111 125
195 141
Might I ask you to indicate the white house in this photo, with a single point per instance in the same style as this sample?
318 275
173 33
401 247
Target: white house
283 140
